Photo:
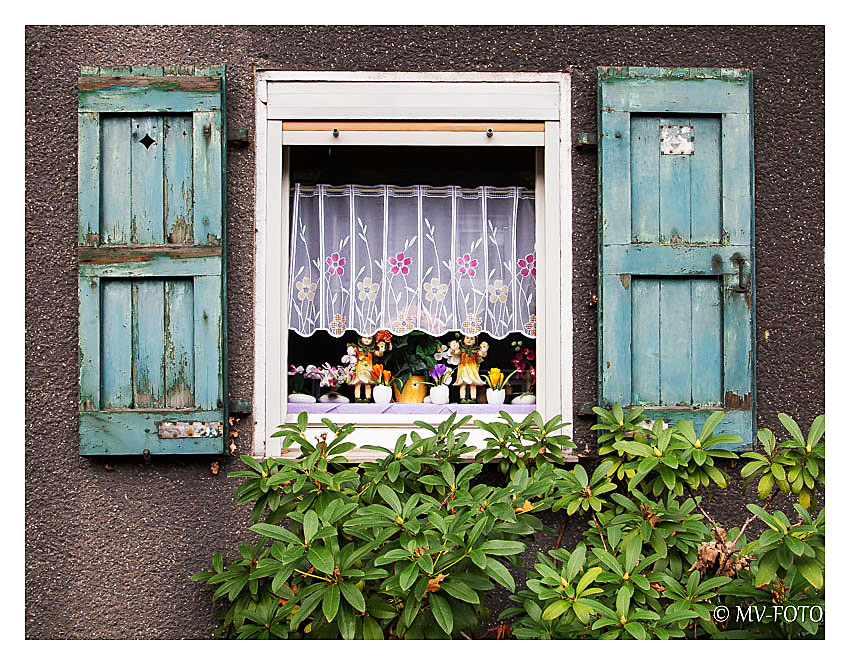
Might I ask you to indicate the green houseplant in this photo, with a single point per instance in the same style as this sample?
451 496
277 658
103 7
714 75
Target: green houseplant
412 355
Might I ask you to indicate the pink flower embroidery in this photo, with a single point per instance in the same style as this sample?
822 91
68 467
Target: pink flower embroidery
335 264
528 265
400 264
467 265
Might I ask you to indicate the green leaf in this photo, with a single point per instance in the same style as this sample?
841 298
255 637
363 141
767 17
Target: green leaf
633 545
502 547
217 562
346 622
322 558
460 590
816 430
390 497
353 596
795 545
442 612
311 525
587 579
634 448
623 597
276 532
408 576
250 461
609 560
789 424
765 485
767 569
582 612
371 629
392 555
765 517
576 561
555 610
580 474
812 570
636 630
710 424
330 602
667 476
500 574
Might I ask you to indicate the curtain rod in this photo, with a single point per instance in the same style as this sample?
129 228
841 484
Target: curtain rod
378 189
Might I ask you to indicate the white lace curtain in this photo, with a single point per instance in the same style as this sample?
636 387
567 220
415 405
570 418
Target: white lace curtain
436 259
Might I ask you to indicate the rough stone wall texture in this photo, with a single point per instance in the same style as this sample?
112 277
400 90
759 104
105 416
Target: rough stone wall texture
109 550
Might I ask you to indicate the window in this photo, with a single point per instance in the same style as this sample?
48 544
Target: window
484 158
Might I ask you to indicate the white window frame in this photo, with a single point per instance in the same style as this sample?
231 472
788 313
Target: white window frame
421 96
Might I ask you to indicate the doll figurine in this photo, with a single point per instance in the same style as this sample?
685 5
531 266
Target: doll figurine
364 351
471 354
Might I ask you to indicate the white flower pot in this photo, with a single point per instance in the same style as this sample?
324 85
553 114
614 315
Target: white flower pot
439 394
495 396
382 394
301 398
525 399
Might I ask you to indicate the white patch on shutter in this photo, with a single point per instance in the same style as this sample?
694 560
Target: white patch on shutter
189 430
677 139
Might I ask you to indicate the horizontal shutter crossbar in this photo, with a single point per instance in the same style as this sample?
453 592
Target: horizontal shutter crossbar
165 83
127 254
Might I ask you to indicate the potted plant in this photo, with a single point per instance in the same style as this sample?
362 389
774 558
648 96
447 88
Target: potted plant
496 382
382 393
334 377
442 378
296 383
408 360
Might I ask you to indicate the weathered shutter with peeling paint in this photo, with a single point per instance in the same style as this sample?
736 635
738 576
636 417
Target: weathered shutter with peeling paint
676 243
151 260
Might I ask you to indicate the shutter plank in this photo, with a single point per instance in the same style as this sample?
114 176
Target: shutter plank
146 181
675 192
206 160
737 347
616 160
177 136
645 154
646 350
115 148
706 342
208 367
148 343
179 344
116 344
675 325
737 193
706 222
88 290
616 309
88 178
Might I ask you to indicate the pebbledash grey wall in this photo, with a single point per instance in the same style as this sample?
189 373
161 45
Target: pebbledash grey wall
111 543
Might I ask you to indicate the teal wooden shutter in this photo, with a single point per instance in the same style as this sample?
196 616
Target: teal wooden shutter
151 260
676 243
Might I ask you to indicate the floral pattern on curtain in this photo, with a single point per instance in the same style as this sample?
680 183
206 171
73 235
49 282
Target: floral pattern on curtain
436 259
